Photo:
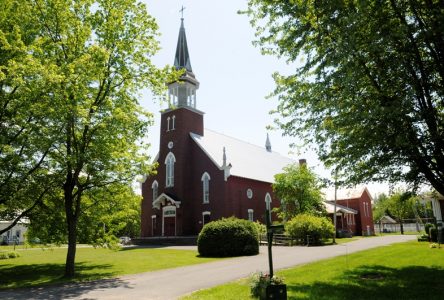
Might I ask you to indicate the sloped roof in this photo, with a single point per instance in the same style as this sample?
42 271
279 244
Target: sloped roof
247 160
330 207
341 194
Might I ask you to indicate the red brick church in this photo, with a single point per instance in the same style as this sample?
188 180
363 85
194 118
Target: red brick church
203 175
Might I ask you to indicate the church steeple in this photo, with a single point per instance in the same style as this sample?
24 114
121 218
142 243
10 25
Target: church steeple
268 144
183 92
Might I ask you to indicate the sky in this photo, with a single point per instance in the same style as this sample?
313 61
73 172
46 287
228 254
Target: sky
234 77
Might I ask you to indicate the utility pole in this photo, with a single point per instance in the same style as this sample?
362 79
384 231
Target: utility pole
334 210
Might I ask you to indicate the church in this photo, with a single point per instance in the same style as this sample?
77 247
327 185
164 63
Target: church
203 175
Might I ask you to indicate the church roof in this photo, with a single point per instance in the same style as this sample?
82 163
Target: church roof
342 194
247 160
182 57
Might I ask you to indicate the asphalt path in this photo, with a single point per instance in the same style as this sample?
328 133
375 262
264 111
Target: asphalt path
173 283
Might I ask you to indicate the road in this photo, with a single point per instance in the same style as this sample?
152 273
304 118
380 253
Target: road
173 283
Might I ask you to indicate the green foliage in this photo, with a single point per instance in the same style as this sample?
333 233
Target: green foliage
299 190
261 228
107 214
228 237
302 225
70 76
368 84
259 281
10 254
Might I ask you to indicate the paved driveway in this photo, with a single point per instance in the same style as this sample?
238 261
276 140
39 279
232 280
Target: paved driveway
172 283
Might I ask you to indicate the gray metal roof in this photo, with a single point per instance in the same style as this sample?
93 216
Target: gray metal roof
246 160
182 57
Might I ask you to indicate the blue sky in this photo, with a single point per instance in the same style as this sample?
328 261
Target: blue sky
234 77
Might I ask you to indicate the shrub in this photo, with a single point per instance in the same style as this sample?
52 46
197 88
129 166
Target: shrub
259 281
318 228
434 234
427 227
10 254
228 237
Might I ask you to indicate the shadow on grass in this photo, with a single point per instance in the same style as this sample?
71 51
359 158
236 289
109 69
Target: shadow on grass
376 282
50 283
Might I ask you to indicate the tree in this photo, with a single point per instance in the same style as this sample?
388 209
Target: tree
369 83
96 55
26 132
400 206
107 213
299 190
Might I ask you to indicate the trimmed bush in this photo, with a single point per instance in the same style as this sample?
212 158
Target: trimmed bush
228 237
302 225
10 254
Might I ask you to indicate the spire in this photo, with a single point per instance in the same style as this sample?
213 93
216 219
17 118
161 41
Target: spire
268 144
224 159
182 57
182 93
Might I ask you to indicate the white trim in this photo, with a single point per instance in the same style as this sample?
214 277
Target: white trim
168 124
169 208
155 188
250 211
162 200
153 221
268 201
205 213
170 160
173 125
205 189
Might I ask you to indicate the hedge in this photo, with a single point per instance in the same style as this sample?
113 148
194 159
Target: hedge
303 225
228 237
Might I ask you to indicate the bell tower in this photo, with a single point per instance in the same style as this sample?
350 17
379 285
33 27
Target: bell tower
183 93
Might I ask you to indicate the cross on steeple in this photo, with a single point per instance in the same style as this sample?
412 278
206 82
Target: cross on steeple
181 11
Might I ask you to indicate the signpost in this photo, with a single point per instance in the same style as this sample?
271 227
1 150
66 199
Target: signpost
273 291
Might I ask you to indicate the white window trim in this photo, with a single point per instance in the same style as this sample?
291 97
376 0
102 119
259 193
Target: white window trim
169 174
173 125
168 124
268 201
205 213
251 211
155 188
205 194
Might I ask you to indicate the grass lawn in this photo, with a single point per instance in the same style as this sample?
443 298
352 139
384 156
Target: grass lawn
36 266
401 271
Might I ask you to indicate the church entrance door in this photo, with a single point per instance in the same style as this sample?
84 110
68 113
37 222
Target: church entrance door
169 221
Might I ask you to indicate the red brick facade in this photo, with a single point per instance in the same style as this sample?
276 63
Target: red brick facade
363 224
226 197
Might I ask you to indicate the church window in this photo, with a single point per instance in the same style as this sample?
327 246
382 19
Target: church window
249 194
169 163
206 187
168 124
206 217
173 123
155 187
250 215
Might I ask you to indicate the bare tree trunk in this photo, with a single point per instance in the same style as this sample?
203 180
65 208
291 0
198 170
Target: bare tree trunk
72 241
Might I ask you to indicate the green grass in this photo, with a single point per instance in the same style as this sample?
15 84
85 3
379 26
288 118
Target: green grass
46 266
401 271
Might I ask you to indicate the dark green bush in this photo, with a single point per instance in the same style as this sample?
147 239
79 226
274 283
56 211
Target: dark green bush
303 225
228 237
9 254
434 234
427 227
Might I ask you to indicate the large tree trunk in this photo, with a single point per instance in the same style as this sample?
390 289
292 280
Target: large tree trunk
72 243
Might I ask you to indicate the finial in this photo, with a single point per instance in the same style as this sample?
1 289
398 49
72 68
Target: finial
181 11
268 144
224 158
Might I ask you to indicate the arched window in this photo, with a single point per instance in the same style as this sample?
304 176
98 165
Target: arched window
169 164
173 125
155 187
250 215
168 124
206 187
